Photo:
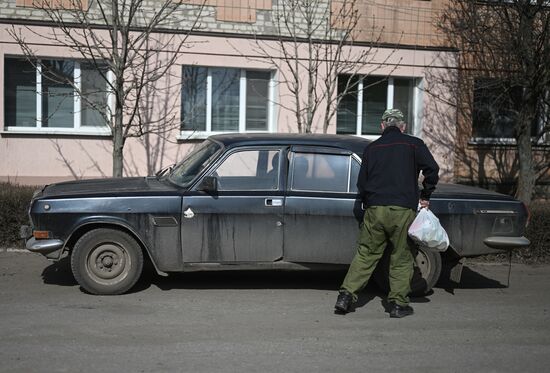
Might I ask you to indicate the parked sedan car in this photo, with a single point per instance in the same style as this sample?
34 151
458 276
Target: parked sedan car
247 202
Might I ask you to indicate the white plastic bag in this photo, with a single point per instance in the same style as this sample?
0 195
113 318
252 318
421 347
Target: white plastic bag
427 231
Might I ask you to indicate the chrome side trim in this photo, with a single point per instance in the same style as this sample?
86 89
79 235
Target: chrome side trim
506 212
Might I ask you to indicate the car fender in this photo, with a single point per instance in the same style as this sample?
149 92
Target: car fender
92 222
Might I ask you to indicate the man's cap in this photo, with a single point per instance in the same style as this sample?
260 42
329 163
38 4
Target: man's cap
393 113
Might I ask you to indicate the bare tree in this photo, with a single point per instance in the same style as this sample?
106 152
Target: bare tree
504 62
315 44
123 42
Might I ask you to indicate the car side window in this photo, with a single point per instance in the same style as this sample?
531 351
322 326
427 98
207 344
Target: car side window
355 167
321 172
249 170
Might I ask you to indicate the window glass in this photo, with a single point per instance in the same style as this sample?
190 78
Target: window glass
496 109
186 171
320 172
225 99
19 93
193 98
45 94
542 121
403 99
213 101
493 114
346 115
375 92
57 93
249 170
257 92
94 89
355 167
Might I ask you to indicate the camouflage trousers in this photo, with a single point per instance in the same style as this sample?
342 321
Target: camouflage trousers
383 226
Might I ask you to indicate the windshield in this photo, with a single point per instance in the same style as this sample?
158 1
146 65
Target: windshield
186 171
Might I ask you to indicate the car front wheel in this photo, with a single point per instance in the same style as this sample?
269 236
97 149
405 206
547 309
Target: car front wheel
106 261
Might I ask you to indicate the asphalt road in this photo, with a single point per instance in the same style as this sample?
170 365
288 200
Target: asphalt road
268 322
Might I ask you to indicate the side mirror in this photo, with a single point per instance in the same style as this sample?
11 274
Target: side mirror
209 184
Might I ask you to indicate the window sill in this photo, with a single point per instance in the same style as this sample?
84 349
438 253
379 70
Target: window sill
492 141
201 135
503 141
92 131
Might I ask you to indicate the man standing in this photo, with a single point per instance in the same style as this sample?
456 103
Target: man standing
388 183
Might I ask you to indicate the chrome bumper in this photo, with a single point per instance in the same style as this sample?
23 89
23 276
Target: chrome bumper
506 243
43 247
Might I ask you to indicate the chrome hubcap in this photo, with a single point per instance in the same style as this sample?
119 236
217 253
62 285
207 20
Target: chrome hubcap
422 263
108 263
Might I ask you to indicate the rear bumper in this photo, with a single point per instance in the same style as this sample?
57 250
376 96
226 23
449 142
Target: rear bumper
506 243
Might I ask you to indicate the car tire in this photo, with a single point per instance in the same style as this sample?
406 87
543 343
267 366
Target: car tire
427 269
106 261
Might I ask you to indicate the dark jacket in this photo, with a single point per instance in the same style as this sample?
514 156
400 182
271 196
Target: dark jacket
390 169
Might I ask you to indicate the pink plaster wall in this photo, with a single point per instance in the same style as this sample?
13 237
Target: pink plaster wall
41 159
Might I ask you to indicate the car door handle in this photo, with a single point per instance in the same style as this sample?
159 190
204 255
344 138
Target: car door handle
273 202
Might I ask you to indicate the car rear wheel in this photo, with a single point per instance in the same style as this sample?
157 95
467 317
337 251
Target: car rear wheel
427 269
106 261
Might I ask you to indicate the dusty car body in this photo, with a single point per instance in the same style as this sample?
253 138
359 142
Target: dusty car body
246 202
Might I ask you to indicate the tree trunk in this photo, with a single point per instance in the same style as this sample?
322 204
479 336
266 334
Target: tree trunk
526 182
527 46
118 142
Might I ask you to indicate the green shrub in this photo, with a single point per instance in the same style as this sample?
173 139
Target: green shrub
14 202
538 232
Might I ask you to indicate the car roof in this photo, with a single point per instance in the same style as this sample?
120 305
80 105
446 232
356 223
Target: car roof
353 143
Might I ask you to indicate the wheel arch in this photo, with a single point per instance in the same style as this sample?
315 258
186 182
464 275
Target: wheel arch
87 226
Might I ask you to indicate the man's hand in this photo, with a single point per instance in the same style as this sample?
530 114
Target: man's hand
424 203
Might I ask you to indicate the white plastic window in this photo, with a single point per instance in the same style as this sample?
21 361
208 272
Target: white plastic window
43 96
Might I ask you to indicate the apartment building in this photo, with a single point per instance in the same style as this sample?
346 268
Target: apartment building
232 75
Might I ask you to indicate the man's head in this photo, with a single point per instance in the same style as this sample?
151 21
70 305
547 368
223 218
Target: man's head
393 118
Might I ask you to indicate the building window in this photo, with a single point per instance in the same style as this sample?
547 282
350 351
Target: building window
496 109
360 110
226 100
42 96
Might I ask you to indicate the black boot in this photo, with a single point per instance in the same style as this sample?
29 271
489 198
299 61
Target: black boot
397 311
343 302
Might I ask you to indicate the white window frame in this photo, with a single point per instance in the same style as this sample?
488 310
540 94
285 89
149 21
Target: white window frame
191 134
77 128
417 106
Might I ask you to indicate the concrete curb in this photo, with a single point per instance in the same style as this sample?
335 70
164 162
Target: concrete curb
13 250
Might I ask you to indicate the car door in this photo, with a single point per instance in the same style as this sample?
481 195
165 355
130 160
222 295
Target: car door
242 221
322 209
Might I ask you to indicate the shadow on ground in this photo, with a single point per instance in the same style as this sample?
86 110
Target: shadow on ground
319 280
59 273
470 279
